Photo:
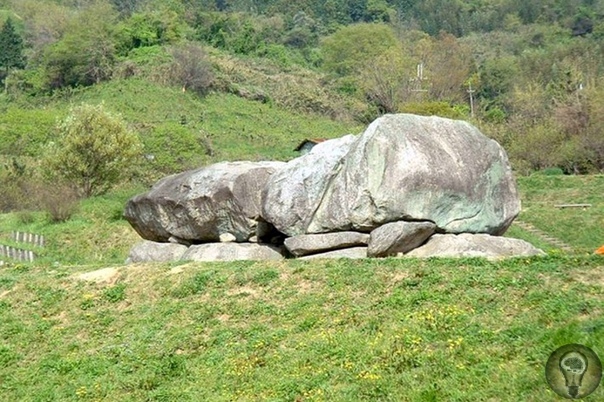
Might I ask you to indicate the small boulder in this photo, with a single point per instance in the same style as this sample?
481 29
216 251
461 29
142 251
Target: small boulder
398 237
105 275
149 251
474 245
354 252
232 252
316 243
227 238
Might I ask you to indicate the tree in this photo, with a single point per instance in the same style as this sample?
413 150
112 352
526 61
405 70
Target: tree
11 44
126 7
86 53
95 150
350 49
447 65
385 80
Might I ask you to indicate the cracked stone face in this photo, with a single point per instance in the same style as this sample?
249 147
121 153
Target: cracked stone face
403 167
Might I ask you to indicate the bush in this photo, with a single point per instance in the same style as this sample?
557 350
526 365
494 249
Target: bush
191 68
555 171
94 151
442 109
59 202
14 179
24 192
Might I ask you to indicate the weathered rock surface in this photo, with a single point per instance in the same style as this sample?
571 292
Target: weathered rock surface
294 192
405 178
232 252
200 205
403 167
354 252
407 167
316 243
398 237
227 238
148 251
474 245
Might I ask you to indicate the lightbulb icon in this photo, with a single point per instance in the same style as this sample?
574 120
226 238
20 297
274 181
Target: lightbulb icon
573 371
573 366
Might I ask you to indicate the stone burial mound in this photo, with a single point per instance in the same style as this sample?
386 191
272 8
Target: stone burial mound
409 185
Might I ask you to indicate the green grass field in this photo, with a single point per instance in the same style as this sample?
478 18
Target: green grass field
371 330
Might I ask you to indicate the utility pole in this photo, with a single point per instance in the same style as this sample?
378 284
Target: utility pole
419 79
471 92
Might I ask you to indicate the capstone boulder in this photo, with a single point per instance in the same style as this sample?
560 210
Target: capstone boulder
201 205
292 193
403 167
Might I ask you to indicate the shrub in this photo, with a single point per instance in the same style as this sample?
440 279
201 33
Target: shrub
94 151
553 171
352 47
191 68
59 202
24 192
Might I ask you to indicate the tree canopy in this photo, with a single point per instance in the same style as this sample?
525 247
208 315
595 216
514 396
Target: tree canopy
12 46
527 72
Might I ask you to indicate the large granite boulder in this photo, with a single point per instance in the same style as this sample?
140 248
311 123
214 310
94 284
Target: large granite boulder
295 191
316 243
203 204
474 245
232 252
403 167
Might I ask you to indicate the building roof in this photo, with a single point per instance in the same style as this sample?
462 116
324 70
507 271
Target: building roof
313 141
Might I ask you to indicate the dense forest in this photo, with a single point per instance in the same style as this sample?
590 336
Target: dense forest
528 73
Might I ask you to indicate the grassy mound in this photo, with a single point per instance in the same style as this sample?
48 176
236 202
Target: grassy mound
389 330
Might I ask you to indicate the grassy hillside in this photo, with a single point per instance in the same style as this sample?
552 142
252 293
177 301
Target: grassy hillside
581 228
180 130
238 128
373 330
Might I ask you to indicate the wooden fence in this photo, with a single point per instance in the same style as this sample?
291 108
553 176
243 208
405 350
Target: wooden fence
15 253
34 239
19 254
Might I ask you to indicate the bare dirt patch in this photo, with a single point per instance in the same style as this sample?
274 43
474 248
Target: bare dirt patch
104 276
304 286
